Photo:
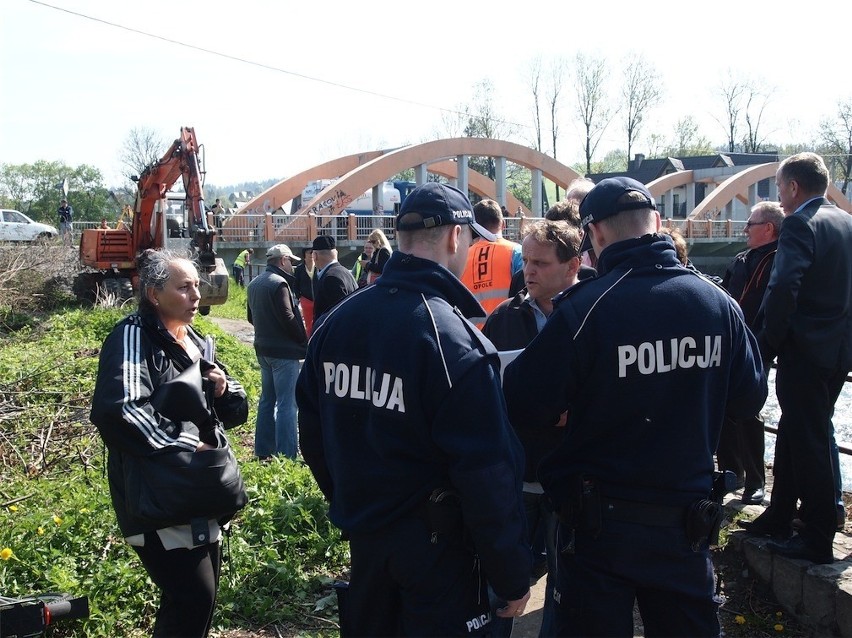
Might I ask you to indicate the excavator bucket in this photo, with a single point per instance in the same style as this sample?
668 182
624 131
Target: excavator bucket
214 285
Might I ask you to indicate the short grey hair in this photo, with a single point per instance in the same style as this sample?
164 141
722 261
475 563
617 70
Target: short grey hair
154 268
770 213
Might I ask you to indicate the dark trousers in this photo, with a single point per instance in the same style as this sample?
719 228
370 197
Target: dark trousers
402 584
741 449
541 524
597 585
804 459
239 275
188 580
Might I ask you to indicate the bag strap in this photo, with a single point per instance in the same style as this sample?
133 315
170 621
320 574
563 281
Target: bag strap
170 346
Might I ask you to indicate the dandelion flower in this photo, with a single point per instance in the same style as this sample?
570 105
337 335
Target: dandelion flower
40 530
6 553
13 508
779 627
84 510
740 620
57 520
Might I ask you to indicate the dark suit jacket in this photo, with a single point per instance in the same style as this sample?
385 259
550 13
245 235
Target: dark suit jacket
335 284
808 302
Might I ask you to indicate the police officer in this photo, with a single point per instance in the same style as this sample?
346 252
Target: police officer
403 424
649 356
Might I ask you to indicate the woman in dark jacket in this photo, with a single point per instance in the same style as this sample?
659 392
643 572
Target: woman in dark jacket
381 253
145 350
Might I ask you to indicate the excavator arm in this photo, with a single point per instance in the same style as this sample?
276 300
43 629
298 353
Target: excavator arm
181 160
114 251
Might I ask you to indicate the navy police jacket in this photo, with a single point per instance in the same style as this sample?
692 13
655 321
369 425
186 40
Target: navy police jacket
648 356
391 410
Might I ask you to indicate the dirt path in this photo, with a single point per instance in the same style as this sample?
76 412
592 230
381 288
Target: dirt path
239 328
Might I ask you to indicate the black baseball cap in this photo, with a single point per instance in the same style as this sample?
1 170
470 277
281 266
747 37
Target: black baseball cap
323 242
602 202
439 204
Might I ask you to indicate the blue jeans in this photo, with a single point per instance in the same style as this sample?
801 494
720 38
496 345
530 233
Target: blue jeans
275 430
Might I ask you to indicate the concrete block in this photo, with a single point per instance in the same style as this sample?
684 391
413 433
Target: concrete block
787 576
759 560
843 607
819 586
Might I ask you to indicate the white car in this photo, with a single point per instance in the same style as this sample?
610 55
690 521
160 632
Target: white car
15 226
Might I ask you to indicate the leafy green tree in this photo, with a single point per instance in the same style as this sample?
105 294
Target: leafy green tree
613 162
685 141
35 189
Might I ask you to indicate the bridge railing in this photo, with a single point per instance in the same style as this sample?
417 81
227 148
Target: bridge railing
708 228
303 228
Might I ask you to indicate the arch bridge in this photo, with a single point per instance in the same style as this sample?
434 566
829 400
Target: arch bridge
263 220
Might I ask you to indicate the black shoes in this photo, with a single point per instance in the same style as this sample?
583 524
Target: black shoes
763 526
799 524
796 547
753 497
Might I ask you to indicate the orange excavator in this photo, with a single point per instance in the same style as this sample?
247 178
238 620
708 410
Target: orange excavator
110 253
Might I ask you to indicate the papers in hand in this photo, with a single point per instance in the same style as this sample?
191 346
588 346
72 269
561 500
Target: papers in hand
506 357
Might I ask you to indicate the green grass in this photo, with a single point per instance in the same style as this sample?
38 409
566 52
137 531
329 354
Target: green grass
57 527
235 308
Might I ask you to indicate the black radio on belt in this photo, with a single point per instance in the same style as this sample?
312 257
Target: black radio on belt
444 514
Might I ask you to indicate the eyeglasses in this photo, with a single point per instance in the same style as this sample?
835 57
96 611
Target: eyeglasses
750 224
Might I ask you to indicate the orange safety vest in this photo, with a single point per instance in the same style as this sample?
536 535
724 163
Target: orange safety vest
488 273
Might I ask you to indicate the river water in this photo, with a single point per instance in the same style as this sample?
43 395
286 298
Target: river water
842 426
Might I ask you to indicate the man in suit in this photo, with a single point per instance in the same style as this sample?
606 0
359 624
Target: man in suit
741 445
332 280
808 325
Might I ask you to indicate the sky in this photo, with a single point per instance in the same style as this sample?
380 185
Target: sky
273 87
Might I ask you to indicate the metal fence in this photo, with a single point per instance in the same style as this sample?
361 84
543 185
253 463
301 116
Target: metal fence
240 229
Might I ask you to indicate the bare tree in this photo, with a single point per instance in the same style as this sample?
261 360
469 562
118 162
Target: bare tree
534 80
640 92
732 90
757 97
554 90
836 134
485 121
595 114
452 122
142 147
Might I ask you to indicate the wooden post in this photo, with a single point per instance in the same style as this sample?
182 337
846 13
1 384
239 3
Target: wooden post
312 226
